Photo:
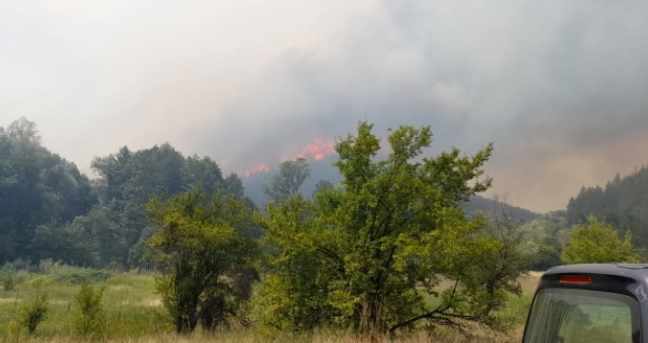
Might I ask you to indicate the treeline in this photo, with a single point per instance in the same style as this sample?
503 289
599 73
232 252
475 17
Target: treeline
623 203
369 254
48 209
388 249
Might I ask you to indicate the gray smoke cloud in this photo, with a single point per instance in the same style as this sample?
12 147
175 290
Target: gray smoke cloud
559 87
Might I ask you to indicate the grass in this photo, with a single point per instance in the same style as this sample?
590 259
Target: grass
133 310
249 337
515 304
135 313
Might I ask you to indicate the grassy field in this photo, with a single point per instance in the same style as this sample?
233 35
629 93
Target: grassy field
135 314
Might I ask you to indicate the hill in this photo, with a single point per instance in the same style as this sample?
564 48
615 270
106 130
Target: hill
623 203
480 204
323 170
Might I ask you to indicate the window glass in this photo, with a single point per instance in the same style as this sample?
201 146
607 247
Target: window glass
581 316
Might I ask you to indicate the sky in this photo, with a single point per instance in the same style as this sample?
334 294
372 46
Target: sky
559 86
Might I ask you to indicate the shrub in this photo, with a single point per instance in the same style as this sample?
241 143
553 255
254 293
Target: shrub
598 242
47 265
77 276
33 313
41 282
14 333
115 267
8 281
120 280
91 320
20 264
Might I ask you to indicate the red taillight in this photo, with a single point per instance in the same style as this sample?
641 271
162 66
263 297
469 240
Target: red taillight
580 280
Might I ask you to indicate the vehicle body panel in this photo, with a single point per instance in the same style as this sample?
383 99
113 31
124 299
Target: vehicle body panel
625 279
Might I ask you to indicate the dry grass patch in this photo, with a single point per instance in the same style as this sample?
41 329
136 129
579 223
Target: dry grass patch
249 337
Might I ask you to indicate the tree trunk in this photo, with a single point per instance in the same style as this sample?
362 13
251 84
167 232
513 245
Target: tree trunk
372 320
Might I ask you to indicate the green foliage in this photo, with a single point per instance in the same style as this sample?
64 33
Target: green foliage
496 274
363 256
233 185
91 319
622 203
548 255
8 280
41 282
481 204
321 187
202 248
598 242
286 183
120 280
33 313
37 187
546 236
78 276
48 209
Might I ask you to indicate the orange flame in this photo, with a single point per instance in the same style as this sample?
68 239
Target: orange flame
318 150
256 168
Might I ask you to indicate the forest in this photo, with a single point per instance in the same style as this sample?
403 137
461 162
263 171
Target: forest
50 210
398 245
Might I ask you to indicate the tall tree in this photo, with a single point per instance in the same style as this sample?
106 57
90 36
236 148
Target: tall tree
128 180
287 181
201 171
37 188
234 185
202 249
365 256
498 272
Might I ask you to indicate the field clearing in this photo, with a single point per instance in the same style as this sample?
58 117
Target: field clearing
135 315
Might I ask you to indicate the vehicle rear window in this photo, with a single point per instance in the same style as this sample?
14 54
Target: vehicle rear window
581 316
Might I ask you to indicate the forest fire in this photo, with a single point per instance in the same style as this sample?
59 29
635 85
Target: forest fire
318 150
256 168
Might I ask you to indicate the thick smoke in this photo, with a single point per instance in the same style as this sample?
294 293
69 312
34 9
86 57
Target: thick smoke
558 86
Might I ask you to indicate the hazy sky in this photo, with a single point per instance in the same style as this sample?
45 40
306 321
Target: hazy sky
560 86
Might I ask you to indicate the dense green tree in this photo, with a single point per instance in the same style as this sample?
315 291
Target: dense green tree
48 209
547 234
233 185
287 181
366 255
548 255
68 243
498 273
37 188
204 252
622 203
598 242
203 172
128 180
323 186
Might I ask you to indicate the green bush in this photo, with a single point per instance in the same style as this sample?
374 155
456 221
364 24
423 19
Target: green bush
33 312
91 319
8 281
120 280
20 264
41 282
45 266
77 276
115 267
